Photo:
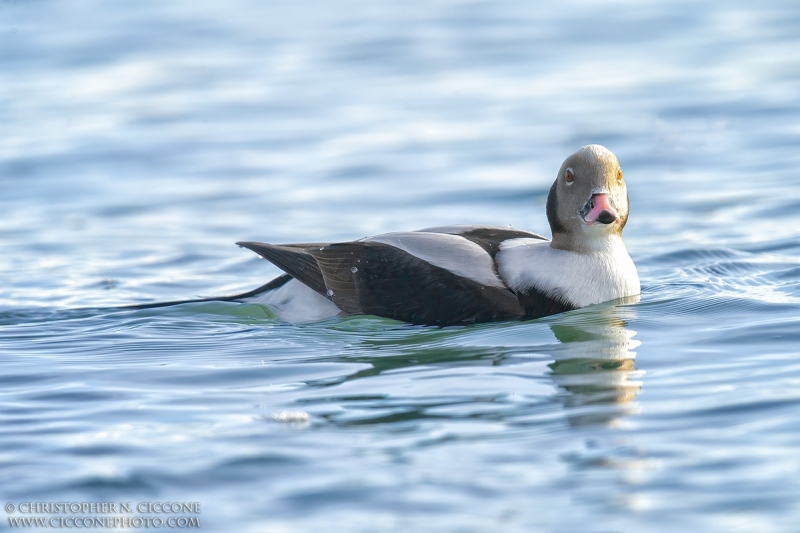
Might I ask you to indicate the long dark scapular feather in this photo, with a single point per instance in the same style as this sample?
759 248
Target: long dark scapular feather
489 238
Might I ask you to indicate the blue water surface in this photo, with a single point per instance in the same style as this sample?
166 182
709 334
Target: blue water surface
140 140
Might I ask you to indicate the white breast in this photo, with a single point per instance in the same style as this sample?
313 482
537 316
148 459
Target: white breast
583 279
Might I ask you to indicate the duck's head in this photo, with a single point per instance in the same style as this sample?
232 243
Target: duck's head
588 203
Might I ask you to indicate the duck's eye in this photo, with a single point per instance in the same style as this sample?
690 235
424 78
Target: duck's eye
619 174
569 176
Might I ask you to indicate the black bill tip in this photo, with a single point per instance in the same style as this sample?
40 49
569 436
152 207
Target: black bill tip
606 217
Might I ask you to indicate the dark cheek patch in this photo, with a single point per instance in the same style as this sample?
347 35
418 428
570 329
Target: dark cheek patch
552 211
624 216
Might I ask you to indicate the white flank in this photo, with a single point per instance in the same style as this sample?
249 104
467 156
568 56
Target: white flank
294 302
583 279
458 255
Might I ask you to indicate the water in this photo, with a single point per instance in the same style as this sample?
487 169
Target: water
140 140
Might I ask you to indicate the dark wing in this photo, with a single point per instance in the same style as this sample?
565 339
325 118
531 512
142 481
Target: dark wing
294 259
536 303
379 279
487 237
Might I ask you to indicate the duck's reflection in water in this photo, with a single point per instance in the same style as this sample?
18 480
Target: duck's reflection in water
415 374
594 364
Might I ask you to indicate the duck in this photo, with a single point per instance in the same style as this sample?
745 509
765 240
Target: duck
466 274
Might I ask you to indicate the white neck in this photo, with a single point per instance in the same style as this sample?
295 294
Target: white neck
598 274
587 240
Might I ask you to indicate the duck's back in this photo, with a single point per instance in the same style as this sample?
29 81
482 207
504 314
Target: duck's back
443 275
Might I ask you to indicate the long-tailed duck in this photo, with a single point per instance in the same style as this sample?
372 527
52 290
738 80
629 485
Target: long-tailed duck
465 274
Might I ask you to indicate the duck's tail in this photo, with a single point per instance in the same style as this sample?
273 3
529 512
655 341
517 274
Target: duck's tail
278 282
